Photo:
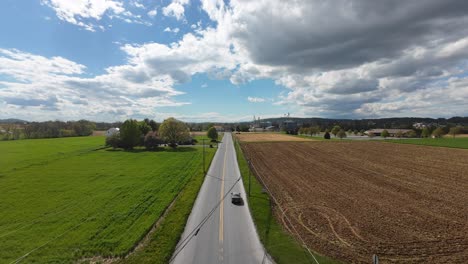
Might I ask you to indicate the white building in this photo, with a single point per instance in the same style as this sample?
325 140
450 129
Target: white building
112 131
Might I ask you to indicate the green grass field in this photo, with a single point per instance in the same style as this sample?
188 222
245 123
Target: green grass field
67 199
436 142
200 138
279 244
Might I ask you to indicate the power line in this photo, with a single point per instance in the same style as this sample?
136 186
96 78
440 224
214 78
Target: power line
45 244
195 231
284 214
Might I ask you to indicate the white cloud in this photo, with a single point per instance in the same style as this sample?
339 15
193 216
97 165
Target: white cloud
193 54
176 9
173 30
256 99
88 13
41 88
340 58
137 4
153 13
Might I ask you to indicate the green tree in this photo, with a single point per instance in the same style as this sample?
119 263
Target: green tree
83 127
411 134
113 141
326 135
425 133
335 130
144 127
341 134
385 134
454 131
173 131
130 134
438 132
209 125
314 130
152 141
213 134
399 134
154 126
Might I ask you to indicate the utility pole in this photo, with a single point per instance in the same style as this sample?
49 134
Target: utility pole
203 142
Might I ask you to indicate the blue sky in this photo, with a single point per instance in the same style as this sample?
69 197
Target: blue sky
214 60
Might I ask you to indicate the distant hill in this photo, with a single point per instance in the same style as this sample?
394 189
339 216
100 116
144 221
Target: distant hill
12 121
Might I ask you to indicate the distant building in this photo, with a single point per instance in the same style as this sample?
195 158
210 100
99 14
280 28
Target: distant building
290 127
112 131
419 125
219 128
392 132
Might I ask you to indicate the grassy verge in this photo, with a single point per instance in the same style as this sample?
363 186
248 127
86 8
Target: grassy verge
436 142
163 242
279 244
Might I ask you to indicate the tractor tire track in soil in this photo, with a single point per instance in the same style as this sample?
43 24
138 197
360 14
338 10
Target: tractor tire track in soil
350 200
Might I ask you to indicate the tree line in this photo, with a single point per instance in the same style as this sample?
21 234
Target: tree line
48 129
150 134
426 132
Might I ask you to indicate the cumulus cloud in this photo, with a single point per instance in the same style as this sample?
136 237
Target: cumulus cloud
87 13
348 58
255 99
153 13
41 88
338 58
176 9
192 54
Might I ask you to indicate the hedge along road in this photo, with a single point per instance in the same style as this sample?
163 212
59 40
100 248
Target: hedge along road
218 231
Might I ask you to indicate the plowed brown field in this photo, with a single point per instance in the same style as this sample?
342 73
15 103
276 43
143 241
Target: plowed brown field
268 137
350 200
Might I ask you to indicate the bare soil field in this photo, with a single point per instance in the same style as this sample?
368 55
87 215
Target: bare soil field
268 137
98 133
350 200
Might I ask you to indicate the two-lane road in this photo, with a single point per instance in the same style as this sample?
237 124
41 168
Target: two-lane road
228 235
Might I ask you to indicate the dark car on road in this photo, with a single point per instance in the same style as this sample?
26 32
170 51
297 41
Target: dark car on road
236 198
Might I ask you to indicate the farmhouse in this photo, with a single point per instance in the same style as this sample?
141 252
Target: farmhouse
392 132
112 131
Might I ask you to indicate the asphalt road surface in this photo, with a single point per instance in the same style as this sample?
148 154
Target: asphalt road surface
228 234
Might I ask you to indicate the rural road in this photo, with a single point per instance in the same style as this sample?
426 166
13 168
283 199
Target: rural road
228 234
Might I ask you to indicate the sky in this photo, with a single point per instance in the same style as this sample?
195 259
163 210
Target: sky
226 61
